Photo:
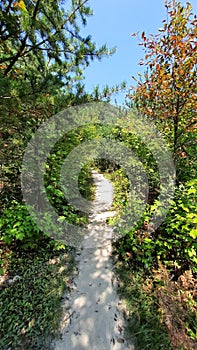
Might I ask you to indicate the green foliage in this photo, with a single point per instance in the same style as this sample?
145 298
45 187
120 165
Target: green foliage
53 167
121 189
16 224
187 160
46 33
174 243
31 306
179 230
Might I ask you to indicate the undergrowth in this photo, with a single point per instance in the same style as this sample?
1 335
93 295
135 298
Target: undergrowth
144 325
31 295
158 280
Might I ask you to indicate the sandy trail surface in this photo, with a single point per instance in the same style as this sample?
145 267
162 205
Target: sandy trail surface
93 312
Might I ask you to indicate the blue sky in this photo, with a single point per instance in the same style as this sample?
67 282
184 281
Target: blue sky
113 23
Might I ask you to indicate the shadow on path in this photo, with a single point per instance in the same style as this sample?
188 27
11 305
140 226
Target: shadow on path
93 318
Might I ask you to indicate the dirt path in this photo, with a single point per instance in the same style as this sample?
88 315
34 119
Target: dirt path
93 319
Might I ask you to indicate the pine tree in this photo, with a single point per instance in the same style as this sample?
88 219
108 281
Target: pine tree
41 42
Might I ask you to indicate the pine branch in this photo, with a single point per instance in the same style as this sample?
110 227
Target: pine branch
23 43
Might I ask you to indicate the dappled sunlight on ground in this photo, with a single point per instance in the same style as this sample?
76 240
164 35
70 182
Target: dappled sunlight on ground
92 312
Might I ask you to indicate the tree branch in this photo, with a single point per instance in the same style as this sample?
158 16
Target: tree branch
21 52
23 44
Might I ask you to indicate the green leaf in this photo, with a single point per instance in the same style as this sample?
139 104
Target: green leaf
61 218
193 233
191 252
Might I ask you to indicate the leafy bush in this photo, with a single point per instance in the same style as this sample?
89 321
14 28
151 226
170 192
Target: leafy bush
17 224
179 231
174 243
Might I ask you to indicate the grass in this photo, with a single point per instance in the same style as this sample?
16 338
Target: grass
31 306
144 324
162 313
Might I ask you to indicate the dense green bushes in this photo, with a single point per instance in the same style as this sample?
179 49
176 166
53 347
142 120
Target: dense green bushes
174 243
179 229
16 224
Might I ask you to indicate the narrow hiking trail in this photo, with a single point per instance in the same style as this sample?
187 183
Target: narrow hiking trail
92 317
